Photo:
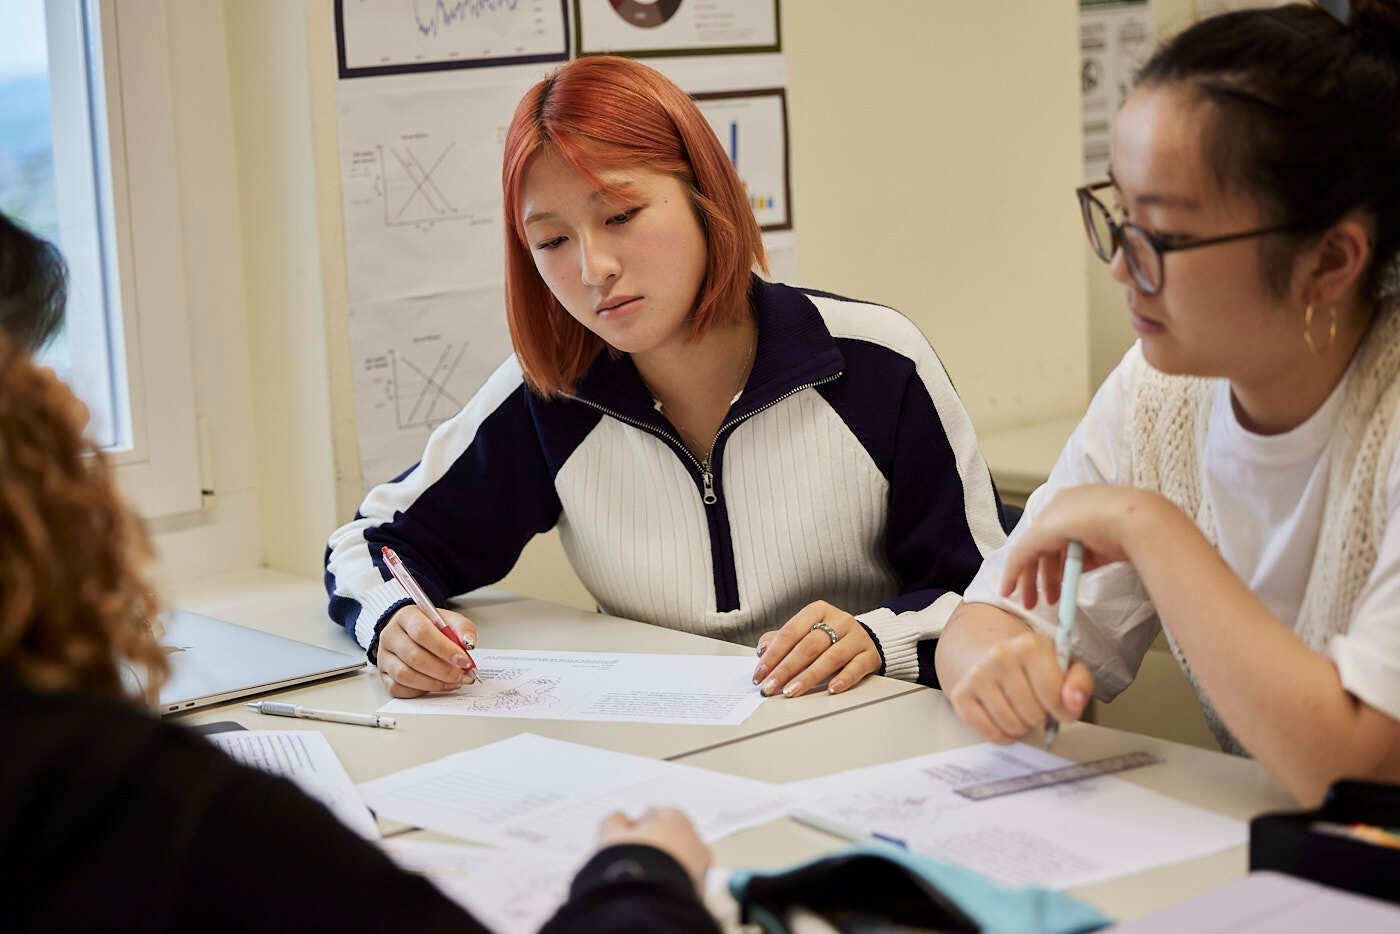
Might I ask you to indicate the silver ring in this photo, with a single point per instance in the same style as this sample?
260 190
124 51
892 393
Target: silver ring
831 633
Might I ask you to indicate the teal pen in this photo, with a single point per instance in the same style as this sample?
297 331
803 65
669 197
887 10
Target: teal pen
1069 601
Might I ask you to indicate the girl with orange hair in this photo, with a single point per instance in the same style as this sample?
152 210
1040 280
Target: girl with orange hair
721 454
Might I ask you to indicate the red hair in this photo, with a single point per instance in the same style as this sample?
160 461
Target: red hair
601 114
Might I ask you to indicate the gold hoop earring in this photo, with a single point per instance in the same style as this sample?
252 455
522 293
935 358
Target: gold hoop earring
1331 330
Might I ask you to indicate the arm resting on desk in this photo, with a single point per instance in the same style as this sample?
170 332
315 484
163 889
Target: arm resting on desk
459 518
1304 719
944 519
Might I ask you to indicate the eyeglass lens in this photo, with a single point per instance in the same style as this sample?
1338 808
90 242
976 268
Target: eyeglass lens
1144 261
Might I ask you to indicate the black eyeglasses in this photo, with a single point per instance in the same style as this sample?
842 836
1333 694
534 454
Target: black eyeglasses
1143 250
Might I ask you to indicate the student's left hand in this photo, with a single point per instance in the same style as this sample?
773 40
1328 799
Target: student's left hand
1106 520
801 655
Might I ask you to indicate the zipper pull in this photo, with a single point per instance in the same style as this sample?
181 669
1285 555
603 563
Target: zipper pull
708 478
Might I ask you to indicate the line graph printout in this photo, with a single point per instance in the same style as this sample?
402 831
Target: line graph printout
532 791
618 688
379 37
419 175
417 363
676 27
1059 836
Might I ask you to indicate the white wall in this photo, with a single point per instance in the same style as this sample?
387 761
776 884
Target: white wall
227 534
281 186
936 151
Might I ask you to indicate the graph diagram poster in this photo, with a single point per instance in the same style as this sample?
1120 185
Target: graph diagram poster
417 362
420 181
1115 40
675 27
752 126
383 37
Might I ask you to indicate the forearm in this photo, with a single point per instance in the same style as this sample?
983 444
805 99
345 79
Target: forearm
972 631
1283 701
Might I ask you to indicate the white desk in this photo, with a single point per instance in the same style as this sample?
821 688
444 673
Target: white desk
923 722
879 721
295 607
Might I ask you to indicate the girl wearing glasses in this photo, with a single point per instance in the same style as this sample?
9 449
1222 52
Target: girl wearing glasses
723 455
1236 479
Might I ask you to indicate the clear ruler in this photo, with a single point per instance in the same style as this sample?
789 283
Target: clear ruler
1068 773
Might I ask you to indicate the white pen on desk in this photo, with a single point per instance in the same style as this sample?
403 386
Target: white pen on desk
1069 601
277 709
838 829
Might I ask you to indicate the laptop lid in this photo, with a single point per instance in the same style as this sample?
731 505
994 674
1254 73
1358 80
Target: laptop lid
212 661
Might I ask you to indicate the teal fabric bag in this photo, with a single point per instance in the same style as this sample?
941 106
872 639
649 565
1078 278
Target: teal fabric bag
869 887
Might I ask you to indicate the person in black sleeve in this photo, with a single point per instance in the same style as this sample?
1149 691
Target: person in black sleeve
113 819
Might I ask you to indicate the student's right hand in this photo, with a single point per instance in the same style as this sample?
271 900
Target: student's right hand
415 659
1016 685
667 829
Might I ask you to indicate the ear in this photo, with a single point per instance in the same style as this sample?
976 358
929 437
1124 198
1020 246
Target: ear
1331 270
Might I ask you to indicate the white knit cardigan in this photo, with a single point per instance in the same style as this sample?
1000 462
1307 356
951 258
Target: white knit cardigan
1166 427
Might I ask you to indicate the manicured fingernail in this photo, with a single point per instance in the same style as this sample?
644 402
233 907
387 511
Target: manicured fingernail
1077 700
836 687
770 686
793 689
759 674
461 661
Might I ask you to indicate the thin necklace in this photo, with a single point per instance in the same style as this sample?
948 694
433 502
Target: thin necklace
695 442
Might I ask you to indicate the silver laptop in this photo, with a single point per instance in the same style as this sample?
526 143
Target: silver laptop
213 661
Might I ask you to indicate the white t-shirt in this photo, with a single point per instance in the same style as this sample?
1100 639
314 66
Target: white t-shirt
1268 494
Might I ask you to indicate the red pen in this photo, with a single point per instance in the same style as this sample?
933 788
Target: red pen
420 600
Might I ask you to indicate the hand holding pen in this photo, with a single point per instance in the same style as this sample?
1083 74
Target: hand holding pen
423 649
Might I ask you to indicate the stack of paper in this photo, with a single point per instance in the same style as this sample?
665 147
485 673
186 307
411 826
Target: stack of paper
543 792
513 891
306 758
507 890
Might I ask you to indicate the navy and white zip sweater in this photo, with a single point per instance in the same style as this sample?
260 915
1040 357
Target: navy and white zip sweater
847 471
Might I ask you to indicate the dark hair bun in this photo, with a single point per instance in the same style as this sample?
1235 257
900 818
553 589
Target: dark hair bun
1377 23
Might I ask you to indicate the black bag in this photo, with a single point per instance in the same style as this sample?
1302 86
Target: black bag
875 888
1288 843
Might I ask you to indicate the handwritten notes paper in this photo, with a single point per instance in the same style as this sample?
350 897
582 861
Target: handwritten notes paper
615 687
1059 837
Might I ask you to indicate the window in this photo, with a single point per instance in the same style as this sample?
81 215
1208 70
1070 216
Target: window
81 81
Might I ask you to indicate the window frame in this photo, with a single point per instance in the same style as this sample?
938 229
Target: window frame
159 470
